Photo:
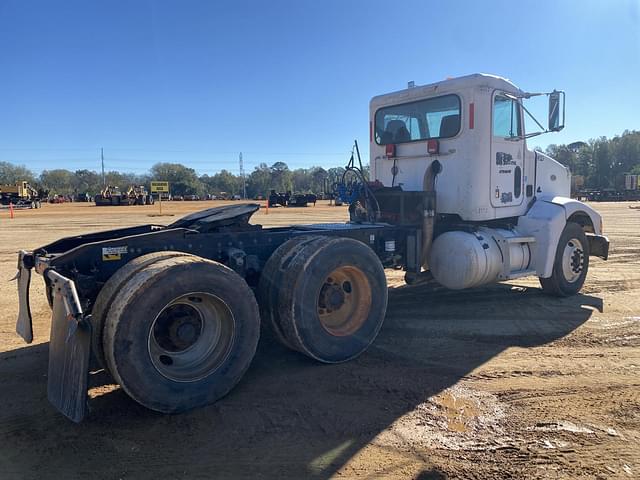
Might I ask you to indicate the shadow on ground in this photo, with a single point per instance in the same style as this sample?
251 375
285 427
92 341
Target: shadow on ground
289 417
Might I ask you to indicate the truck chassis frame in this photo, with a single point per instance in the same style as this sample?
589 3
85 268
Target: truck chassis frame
76 268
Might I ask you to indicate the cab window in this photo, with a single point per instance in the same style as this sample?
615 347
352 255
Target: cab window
437 117
506 117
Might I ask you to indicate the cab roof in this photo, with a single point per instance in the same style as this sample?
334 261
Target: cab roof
449 85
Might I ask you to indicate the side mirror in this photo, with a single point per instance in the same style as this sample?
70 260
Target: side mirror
556 111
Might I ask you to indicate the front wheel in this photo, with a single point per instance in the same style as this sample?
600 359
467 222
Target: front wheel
571 263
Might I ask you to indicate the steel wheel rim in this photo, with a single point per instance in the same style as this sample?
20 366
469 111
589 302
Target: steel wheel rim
191 337
344 301
573 260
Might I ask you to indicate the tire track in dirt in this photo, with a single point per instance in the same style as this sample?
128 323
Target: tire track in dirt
557 369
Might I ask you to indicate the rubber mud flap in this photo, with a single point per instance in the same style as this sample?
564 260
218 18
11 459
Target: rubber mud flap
598 246
69 348
24 325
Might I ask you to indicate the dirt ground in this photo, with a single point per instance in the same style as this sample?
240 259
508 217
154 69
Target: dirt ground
497 382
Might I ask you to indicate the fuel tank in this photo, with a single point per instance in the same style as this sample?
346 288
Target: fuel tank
461 259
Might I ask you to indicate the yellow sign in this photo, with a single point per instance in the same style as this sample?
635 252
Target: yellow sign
159 187
113 253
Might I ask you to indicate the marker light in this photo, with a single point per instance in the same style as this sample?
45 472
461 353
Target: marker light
390 150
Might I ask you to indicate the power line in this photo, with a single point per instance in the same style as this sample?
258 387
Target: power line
187 151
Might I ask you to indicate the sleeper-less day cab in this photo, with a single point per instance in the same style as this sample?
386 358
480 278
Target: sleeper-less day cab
504 207
173 313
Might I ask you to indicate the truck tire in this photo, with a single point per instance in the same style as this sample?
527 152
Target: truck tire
571 263
110 291
271 282
181 333
335 299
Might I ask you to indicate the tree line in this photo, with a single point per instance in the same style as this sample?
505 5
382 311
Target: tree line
182 179
602 162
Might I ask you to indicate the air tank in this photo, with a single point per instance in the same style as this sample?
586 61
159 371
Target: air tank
461 259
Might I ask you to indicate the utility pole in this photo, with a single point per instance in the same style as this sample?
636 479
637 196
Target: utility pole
244 183
104 180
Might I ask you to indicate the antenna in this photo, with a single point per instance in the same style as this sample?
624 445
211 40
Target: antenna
244 183
104 180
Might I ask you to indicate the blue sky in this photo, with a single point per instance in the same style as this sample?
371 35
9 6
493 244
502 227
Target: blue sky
197 82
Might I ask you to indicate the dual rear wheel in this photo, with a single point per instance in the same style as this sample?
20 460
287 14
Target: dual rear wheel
178 331
324 297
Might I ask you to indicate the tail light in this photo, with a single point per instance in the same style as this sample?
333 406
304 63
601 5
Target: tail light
433 147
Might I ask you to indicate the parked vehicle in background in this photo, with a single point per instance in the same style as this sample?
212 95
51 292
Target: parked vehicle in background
629 190
58 199
288 199
113 196
20 194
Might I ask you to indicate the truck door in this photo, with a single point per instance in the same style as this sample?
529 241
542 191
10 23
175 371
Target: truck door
507 152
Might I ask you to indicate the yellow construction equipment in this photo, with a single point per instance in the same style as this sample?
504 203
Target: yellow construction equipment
20 194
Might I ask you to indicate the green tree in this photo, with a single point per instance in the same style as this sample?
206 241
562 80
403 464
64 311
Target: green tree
87 181
10 173
259 182
301 180
227 182
334 175
281 177
602 161
58 181
182 180
318 176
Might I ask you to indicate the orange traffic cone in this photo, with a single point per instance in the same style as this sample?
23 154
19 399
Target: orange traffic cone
11 210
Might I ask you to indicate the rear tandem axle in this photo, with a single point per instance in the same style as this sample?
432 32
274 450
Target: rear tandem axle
173 313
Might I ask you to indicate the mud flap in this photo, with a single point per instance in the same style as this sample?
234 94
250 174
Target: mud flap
24 325
69 349
598 246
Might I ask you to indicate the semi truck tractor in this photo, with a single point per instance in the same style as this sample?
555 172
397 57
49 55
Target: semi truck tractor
503 211
173 313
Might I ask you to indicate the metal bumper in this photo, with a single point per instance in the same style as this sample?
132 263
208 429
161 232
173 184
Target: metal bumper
70 340
598 246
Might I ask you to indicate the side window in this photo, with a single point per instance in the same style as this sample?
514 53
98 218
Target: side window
506 117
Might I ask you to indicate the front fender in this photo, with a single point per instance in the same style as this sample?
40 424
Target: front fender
572 207
545 221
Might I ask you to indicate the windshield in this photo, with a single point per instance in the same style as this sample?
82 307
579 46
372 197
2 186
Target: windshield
437 117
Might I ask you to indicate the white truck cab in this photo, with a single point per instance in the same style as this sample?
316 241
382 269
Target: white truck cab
488 184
